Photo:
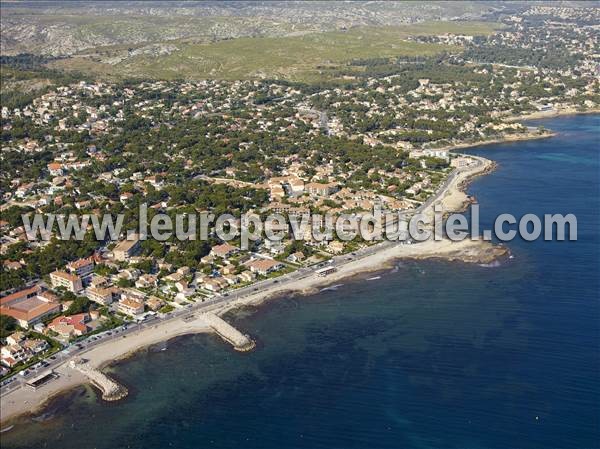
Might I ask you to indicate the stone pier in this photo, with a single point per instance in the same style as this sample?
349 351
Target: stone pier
111 390
228 333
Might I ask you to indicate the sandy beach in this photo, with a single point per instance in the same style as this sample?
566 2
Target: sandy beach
25 400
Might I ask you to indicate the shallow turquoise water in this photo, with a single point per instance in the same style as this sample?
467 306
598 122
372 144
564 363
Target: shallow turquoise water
432 355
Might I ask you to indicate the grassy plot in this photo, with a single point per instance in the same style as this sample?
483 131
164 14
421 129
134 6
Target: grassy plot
287 57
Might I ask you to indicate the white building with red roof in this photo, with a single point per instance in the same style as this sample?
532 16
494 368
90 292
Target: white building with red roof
70 326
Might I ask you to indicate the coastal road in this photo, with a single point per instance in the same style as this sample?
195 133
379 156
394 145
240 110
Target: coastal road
79 348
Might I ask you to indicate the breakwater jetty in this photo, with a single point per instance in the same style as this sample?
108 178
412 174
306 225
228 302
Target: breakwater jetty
111 390
228 333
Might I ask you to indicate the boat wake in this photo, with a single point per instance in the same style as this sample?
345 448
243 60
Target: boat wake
397 267
493 264
331 288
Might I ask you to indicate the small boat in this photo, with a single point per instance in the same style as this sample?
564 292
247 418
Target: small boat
374 278
6 429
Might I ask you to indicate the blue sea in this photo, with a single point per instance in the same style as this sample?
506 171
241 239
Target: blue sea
431 355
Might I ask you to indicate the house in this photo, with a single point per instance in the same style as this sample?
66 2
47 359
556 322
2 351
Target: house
71 282
133 293
162 265
127 248
275 247
29 306
415 189
228 269
99 282
264 266
35 345
277 192
70 326
154 303
296 185
225 250
147 281
281 208
125 196
12 355
296 257
460 162
247 276
130 274
183 288
207 260
416 154
12 265
320 189
55 169
215 284
335 247
174 277
83 204
231 279
24 189
184 271
441 154
15 338
20 349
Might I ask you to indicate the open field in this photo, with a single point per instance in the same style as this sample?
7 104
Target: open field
300 58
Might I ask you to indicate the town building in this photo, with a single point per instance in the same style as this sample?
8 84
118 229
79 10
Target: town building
130 306
127 248
82 267
29 306
101 295
69 281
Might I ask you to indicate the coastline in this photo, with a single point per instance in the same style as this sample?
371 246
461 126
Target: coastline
552 114
29 402
505 139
